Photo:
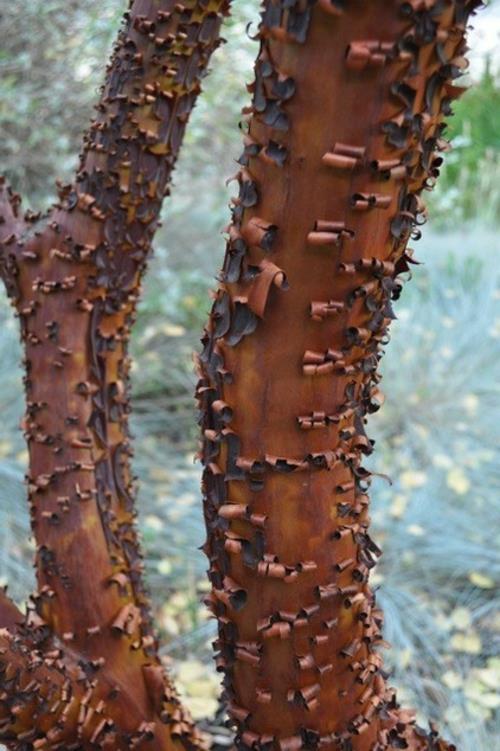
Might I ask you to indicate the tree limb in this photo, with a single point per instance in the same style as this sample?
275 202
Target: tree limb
74 279
58 702
75 283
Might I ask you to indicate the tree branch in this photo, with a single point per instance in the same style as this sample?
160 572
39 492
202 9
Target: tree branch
74 280
59 700
56 701
131 148
75 283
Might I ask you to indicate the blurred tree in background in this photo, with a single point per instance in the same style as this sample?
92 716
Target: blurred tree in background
437 435
51 57
469 187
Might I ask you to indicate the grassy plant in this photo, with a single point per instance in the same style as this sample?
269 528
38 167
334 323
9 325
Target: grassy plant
438 524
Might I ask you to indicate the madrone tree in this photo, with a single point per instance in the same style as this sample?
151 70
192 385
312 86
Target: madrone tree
343 134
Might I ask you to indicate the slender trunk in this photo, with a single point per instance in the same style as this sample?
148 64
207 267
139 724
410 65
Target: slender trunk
344 133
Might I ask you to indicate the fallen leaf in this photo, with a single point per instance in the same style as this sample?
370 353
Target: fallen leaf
481 580
458 481
470 643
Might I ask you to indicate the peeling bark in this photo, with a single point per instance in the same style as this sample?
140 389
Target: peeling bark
344 133
74 276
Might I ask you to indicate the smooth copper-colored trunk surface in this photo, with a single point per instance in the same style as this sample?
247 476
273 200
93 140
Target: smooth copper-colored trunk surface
344 133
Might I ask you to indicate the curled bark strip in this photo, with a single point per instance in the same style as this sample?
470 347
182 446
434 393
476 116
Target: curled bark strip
300 377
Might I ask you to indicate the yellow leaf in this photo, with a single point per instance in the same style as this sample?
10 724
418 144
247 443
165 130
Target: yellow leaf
481 580
5 448
413 479
153 522
461 618
442 461
405 657
202 707
476 710
22 457
471 403
164 567
422 431
189 302
452 680
169 623
490 700
416 530
190 670
458 481
490 677
398 506
470 643
446 352
172 329
198 686
159 473
186 499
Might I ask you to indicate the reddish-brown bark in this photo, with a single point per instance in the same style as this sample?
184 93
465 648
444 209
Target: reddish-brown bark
74 279
344 134
345 122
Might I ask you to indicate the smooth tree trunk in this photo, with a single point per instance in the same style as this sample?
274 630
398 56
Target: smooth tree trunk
343 134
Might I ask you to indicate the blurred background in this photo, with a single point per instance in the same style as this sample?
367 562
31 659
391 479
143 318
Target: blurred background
438 435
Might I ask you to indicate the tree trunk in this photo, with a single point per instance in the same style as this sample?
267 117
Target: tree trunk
343 129
74 279
344 133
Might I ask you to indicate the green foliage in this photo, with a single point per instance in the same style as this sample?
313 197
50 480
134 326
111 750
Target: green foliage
476 114
469 185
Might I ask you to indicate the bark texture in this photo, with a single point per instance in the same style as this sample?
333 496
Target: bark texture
82 670
344 133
